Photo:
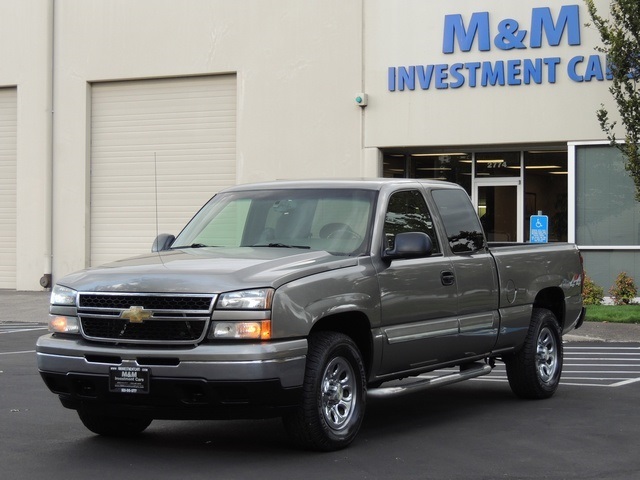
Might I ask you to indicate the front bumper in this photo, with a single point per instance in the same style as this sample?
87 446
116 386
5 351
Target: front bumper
207 381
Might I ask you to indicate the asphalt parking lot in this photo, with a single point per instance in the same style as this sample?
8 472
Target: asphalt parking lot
473 430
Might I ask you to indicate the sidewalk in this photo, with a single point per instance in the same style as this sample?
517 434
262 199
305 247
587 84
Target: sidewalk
24 306
605 332
33 307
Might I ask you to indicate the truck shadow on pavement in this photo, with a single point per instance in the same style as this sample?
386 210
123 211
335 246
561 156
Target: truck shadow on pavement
390 418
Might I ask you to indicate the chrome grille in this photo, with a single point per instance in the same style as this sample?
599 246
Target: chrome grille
145 318
150 302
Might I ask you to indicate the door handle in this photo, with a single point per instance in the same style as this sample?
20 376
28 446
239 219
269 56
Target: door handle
447 278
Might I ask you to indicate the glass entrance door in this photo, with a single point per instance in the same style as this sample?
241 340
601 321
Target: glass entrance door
498 206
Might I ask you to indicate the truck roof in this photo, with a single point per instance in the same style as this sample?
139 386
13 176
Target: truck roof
363 183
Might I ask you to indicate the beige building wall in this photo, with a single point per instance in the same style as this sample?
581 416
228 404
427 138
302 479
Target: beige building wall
25 60
411 33
298 65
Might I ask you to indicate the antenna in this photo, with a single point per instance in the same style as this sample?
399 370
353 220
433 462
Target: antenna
155 181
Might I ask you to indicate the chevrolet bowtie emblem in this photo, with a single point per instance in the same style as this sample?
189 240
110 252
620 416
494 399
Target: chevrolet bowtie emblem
136 314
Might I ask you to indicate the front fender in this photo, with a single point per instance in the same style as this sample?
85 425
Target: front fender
300 304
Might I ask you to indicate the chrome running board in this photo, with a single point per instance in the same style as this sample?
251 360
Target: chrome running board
466 372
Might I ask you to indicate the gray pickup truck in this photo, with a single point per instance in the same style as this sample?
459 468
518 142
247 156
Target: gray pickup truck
302 299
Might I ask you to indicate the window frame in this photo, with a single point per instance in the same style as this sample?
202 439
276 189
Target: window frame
436 241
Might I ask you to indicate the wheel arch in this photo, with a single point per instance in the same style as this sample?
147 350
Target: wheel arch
356 326
552 299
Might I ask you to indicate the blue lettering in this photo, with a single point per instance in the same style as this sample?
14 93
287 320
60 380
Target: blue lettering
391 79
513 71
532 70
542 21
508 35
406 78
441 76
424 76
492 75
571 69
497 73
552 63
455 73
473 68
594 69
454 29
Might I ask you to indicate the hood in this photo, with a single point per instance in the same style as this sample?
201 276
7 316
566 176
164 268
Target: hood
205 270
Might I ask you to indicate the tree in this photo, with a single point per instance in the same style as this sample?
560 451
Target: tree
620 34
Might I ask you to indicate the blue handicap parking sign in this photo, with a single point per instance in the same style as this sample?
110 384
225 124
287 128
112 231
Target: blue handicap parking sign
539 229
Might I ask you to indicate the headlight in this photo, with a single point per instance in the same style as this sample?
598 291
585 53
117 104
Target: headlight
250 330
258 299
63 324
243 315
63 296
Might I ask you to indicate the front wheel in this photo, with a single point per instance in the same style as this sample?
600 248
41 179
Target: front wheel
334 394
113 426
534 372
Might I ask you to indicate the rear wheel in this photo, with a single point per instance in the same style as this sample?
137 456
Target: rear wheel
110 426
334 394
534 372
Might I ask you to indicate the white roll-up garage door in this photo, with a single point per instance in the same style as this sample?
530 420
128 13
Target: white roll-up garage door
8 181
177 133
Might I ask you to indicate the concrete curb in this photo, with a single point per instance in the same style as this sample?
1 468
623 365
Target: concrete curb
605 332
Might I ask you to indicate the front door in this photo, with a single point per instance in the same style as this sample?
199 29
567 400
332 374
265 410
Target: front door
418 295
498 203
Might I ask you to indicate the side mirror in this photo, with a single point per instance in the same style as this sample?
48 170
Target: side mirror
163 242
410 245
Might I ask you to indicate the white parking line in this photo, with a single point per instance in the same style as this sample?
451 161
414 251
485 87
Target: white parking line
22 330
17 353
600 365
20 327
600 348
626 382
613 354
588 366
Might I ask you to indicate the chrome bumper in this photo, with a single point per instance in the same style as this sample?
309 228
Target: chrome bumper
283 360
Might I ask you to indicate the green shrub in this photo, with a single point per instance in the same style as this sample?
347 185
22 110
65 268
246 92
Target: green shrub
592 293
624 290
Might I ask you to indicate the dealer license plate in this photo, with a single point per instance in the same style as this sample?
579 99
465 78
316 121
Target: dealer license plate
129 379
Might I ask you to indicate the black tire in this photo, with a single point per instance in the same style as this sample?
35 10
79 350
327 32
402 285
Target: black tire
534 372
113 426
334 394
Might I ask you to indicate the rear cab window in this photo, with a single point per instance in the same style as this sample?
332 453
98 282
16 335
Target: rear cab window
461 224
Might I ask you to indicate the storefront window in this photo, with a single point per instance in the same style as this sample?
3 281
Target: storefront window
450 167
545 182
510 186
607 213
394 165
500 164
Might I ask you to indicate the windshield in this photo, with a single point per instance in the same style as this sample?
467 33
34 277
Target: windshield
335 220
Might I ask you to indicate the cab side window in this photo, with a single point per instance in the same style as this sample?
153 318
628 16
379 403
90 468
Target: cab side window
407 212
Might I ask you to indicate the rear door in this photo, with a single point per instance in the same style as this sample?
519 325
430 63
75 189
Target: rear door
418 296
475 272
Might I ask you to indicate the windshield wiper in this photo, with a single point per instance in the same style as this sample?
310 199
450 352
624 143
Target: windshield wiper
193 245
282 245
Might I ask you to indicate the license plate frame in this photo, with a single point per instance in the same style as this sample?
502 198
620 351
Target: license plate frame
135 380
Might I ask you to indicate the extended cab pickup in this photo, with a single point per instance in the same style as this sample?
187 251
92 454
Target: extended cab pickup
299 300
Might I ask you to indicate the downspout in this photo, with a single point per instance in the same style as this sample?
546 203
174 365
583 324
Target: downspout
370 157
46 280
